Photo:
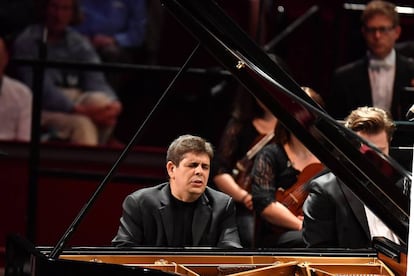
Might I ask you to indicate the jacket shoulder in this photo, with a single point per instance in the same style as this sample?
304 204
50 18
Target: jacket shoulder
325 181
350 68
214 194
149 192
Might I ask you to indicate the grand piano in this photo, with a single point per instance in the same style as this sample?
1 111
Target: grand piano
370 174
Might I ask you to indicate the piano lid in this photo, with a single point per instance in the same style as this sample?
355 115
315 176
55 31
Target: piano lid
369 173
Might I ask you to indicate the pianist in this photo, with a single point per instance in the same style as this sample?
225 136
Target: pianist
182 212
333 215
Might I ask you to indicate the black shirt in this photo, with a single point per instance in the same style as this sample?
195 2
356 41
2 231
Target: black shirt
183 221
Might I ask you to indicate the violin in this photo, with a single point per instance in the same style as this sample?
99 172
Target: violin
241 172
294 197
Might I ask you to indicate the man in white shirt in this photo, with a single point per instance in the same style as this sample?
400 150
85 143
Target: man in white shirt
380 78
333 215
15 103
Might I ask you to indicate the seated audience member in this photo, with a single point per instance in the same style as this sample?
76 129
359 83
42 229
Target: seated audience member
183 211
380 78
277 167
79 105
250 122
114 26
333 215
15 103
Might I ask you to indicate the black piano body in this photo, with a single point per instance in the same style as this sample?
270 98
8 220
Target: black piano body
367 172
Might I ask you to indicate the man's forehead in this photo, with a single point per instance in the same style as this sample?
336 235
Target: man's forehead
196 157
378 18
380 139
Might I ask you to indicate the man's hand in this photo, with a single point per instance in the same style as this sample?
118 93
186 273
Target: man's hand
100 41
102 115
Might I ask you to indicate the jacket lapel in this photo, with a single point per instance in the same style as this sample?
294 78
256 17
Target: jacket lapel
166 213
202 216
400 75
365 89
357 208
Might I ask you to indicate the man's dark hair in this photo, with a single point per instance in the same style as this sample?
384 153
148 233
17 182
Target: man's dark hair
185 144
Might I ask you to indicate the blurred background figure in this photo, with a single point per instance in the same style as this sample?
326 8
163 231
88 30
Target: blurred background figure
279 173
114 26
251 125
79 106
334 217
15 103
250 128
379 79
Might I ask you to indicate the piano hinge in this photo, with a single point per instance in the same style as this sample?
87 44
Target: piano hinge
240 64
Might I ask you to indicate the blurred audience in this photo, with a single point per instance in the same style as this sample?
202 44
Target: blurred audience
78 105
382 77
114 26
15 103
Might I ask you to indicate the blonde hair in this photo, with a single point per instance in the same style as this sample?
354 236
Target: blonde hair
371 120
385 8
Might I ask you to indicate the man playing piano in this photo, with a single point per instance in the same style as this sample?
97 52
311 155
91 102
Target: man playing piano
333 215
182 212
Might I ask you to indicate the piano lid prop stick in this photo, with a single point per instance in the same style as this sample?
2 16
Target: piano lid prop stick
57 250
410 253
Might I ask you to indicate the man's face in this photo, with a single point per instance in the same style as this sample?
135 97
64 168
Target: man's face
59 15
189 178
379 140
380 35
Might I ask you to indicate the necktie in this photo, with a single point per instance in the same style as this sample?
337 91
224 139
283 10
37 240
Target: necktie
377 65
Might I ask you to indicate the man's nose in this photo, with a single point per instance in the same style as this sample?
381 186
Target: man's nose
198 170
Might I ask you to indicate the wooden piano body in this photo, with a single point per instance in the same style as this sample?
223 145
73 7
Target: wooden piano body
25 259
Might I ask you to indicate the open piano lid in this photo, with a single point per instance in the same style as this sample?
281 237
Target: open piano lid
364 169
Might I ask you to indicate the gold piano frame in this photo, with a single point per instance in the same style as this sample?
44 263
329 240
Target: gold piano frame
235 265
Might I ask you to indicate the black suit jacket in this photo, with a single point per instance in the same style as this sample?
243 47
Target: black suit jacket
352 89
147 215
334 216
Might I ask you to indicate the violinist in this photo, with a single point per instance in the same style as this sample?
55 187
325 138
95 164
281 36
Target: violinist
277 167
250 122
250 127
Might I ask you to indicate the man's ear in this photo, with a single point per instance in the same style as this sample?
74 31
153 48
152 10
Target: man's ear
397 32
170 168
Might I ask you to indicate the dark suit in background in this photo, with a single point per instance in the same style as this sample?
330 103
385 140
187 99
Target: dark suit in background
334 216
352 88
